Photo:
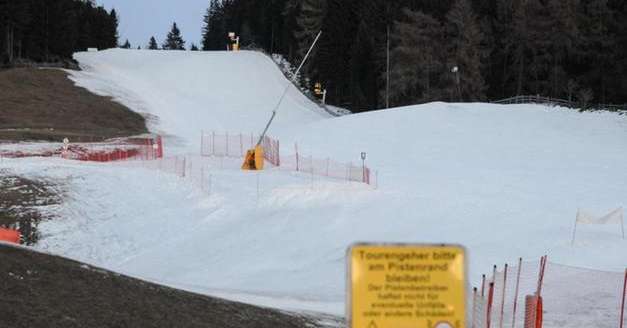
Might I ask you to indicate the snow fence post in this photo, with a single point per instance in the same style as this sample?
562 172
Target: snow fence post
312 171
278 155
159 146
363 166
327 167
474 307
348 172
202 177
490 300
241 144
257 186
210 183
622 306
516 292
296 149
213 143
503 297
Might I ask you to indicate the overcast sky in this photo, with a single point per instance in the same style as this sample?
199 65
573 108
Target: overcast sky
141 19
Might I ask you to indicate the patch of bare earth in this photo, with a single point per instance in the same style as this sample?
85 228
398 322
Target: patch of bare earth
44 291
21 201
44 104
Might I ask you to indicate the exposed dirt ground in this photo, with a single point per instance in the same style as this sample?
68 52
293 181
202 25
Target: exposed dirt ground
43 104
20 201
43 291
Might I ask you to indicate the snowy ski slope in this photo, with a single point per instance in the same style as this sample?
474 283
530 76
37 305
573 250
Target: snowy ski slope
191 91
505 181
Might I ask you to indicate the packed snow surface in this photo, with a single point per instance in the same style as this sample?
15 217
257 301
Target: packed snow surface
191 91
505 181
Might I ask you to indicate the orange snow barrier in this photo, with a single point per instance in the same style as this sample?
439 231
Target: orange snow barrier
533 311
12 236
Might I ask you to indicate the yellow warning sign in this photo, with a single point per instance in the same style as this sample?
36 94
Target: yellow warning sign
403 286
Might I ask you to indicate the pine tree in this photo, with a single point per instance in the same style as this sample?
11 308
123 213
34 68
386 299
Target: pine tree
416 59
112 30
310 20
618 29
126 45
504 48
464 39
596 49
563 39
247 38
152 44
214 27
41 30
194 47
521 41
15 16
174 41
362 79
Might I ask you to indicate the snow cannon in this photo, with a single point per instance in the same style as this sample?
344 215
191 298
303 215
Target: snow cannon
254 159
233 42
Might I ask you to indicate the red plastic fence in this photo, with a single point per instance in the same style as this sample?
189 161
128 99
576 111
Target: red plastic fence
10 235
135 148
236 145
326 167
114 150
550 295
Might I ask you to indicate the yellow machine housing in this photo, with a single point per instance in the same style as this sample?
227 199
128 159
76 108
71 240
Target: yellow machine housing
318 88
254 159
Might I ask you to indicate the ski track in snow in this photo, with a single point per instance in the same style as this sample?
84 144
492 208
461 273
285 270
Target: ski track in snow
505 181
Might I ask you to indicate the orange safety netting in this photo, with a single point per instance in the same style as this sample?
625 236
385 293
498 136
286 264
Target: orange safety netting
10 235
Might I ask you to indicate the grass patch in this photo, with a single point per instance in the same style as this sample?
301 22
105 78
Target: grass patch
44 104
